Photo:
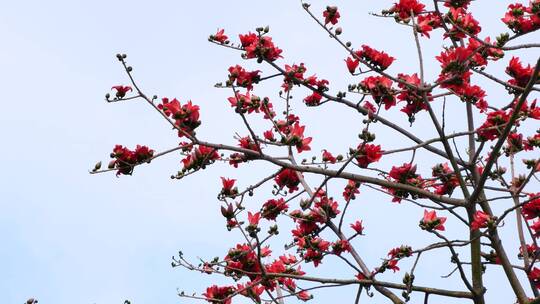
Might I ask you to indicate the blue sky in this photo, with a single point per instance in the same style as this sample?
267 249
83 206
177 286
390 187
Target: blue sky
68 237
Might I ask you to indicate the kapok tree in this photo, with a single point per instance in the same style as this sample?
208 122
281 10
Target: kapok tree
499 166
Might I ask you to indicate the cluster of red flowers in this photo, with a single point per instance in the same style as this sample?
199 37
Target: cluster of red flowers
474 95
426 23
293 75
273 207
367 154
312 249
534 276
523 19
351 190
431 221
307 222
520 74
285 264
320 85
482 51
245 103
242 260
455 74
493 126
199 158
400 252
447 178
405 174
260 47
528 111
531 211
404 8
248 143
412 95
515 143
395 255
295 137
340 246
219 294
379 59
292 133
463 24
326 204
251 291
242 77
380 88
186 116
455 64
125 159
248 103
287 178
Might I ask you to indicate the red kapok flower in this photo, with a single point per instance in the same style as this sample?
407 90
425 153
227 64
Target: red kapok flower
531 210
352 64
351 190
520 74
381 90
534 276
313 100
296 138
228 187
403 9
358 227
328 157
331 15
219 36
464 23
430 221
121 91
341 246
367 154
287 178
259 47
480 220
377 58
219 295
126 159
272 208
493 125
242 77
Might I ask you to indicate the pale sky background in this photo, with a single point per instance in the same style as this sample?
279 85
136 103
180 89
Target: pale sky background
69 237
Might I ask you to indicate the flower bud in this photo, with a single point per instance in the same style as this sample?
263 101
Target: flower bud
97 166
